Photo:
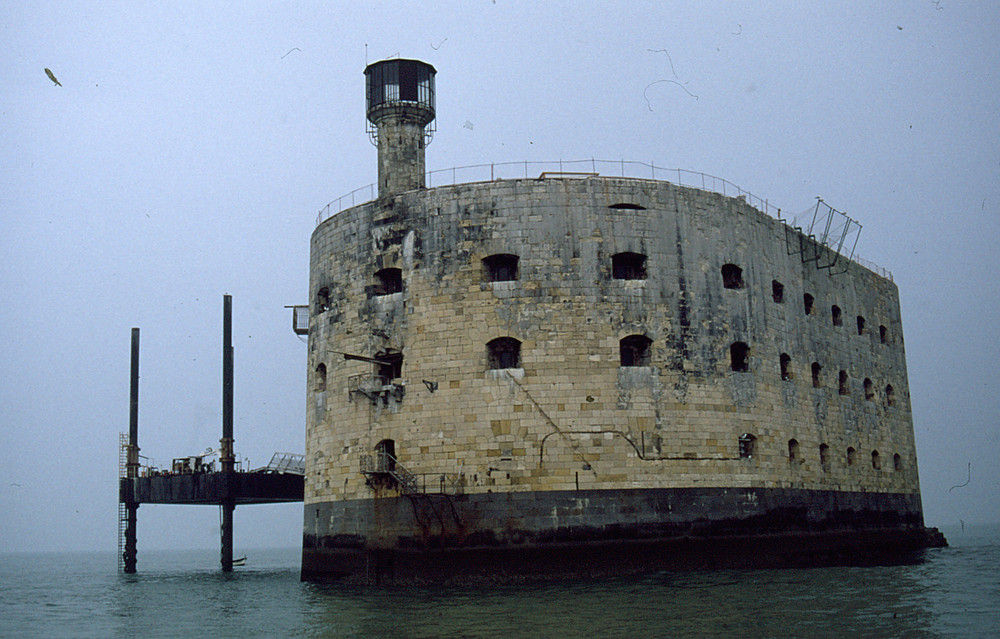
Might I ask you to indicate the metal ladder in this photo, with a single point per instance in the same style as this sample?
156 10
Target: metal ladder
122 512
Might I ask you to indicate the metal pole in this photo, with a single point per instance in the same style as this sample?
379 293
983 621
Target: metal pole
132 460
226 458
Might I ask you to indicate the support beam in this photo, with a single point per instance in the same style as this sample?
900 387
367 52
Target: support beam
227 458
132 460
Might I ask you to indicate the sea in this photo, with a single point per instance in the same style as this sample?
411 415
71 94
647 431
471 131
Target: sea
950 592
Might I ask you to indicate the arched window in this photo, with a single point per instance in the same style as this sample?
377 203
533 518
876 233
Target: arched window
824 457
732 276
835 313
807 302
883 334
777 292
746 444
501 267
385 456
786 367
634 350
389 281
897 462
816 368
739 357
876 460
842 386
852 456
890 395
869 390
322 300
793 450
503 352
861 325
320 378
628 266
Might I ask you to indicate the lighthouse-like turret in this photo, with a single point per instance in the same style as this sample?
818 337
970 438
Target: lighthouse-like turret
400 109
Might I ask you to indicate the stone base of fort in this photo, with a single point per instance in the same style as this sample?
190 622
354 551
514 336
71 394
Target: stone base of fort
496 537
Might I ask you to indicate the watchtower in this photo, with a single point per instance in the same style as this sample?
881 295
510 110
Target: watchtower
400 109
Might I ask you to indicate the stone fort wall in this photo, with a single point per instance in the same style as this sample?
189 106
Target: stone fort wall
569 416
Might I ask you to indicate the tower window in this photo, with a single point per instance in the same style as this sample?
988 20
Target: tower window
869 390
385 456
807 301
746 443
890 395
816 368
835 313
391 366
861 325
627 206
501 267
793 450
876 460
786 367
323 300
739 357
897 462
852 456
321 378
628 266
732 276
503 352
842 383
389 281
777 292
634 350
824 457
883 334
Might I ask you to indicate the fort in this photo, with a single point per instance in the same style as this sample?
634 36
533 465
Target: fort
583 373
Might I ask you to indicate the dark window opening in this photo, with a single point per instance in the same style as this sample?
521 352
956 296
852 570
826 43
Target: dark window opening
739 357
500 268
786 367
732 276
391 367
503 352
897 462
777 292
323 300
842 383
321 378
883 334
390 280
824 456
628 266
746 442
807 301
627 205
852 456
861 325
634 350
385 456
838 319
816 368
793 450
876 460
890 395
869 390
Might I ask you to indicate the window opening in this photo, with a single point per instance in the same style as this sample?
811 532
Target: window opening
500 268
890 395
876 460
732 276
634 350
861 325
897 462
323 300
385 456
824 456
628 266
627 205
852 456
816 368
842 383
746 443
869 390
793 450
786 367
503 352
391 368
321 378
777 292
390 280
883 334
838 320
807 301
739 357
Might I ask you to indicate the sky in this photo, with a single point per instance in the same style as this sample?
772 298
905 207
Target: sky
191 145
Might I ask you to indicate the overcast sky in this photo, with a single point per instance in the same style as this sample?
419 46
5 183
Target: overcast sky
189 148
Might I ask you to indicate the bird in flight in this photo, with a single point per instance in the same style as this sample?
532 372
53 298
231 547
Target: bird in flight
52 77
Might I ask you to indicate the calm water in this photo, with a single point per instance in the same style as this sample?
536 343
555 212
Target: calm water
955 592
